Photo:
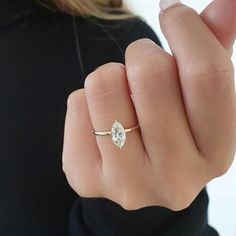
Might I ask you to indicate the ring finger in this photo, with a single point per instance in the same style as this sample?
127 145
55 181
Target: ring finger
109 99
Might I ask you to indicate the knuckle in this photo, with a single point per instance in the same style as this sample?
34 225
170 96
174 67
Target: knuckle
74 97
184 13
101 80
85 191
146 75
126 201
179 205
180 196
179 15
142 56
180 201
138 45
140 69
216 73
85 186
66 168
128 205
221 167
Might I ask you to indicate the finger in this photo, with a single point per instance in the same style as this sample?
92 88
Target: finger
206 75
220 17
81 157
154 83
109 100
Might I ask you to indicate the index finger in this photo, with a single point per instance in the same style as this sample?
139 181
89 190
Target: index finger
220 17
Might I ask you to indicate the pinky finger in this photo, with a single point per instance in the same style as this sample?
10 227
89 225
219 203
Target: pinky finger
81 157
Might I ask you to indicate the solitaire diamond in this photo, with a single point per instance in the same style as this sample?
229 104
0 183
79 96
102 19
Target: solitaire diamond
118 134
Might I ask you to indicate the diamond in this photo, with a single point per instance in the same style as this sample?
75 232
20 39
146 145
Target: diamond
118 134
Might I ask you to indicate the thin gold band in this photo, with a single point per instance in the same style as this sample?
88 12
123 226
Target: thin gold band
104 133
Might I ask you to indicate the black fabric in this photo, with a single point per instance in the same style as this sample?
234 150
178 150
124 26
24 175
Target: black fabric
39 69
100 216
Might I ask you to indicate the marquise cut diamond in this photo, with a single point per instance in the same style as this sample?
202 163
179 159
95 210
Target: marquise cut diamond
118 134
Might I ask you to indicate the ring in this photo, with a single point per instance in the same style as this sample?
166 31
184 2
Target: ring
118 133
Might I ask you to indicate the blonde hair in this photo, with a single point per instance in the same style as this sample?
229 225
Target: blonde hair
104 9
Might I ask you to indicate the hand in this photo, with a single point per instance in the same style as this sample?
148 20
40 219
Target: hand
185 105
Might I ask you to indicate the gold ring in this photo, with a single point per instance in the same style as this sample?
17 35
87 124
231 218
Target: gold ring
118 133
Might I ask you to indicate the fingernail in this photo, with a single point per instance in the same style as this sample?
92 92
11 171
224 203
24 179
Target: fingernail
164 4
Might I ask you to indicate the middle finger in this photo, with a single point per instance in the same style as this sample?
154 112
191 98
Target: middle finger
154 83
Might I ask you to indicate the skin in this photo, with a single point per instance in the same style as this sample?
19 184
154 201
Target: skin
184 103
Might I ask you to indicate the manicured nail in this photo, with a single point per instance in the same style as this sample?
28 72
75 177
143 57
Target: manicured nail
164 4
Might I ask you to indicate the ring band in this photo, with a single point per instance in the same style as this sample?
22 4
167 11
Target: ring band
118 133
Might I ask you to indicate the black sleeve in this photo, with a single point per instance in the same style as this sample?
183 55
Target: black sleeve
109 39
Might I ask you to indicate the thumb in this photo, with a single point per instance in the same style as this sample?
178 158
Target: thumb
220 16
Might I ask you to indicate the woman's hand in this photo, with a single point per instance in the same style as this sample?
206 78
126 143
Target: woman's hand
186 108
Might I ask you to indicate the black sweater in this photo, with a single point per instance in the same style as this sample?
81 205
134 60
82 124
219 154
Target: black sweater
40 67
